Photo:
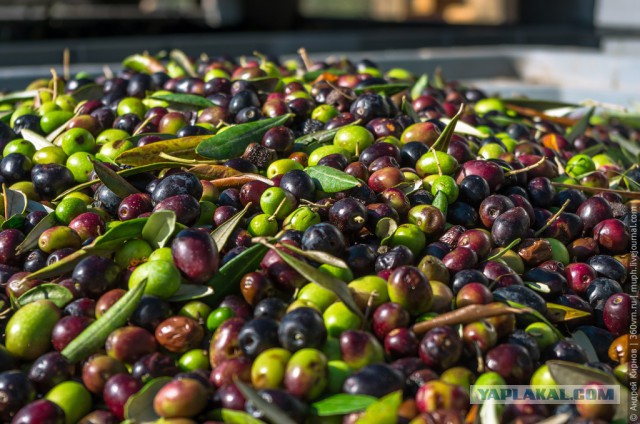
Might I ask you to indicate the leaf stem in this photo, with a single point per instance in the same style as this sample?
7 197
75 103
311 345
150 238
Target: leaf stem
503 251
526 168
553 219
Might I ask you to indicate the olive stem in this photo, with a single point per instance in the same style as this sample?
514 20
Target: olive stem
187 161
108 73
308 64
624 193
367 311
466 315
503 251
263 58
435 156
142 124
54 75
341 92
275 213
526 168
65 63
553 219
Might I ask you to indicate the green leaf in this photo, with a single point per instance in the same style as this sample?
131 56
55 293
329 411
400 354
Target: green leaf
88 92
159 228
184 148
222 233
564 372
53 292
632 148
464 128
163 136
114 182
143 63
386 89
184 101
33 206
331 180
442 143
582 340
139 407
63 266
183 62
188 292
5 115
36 139
15 202
264 84
233 142
490 412
125 173
441 202
383 411
421 84
538 104
385 228
270 411
407 109
93 337
18 96
560 313
319 256
507 120
227 280
231 416
16 221
309 142
341 404
213 172
31 240
117 235
581 126
327 281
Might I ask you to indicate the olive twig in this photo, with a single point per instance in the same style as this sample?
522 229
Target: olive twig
65 63
526 168
108 73
553 219
54 75
308 64
504 250
367 311
275 213
435 156
142 125
587 189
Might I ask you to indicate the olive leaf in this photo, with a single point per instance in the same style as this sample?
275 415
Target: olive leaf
183 62
385 229
221 234
184 101
18 95
331 180
441 202
139 406
270 410
507 120
570 373
633 149
560 313
239 180
15 202
88 92
385 89
310 142
5 115
407 109
124 173
226 281
143 63
117 235
187 292
93 337
264 84
233 142
159 228
33 206
421 84
319 256
38 141
16 221
580 127
490 412
325 280
438 79
464 128
114 182
59 295
63 266
231 416
538 104
213 172
383 411
341 404
183 148
136 137
442 143
582 340
31 240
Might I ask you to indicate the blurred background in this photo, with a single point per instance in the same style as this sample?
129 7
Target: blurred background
567 49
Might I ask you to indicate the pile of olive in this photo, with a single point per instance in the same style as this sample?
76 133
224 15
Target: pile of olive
346 226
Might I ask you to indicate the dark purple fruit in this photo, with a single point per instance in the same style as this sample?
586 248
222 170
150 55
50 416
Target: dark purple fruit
441 347
195 254
48 370
15 392
98 369
509 226
128 344
302 328
258 335
177 184
40 412
375 380
511 361
617 313
117 390
186 208
95 275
